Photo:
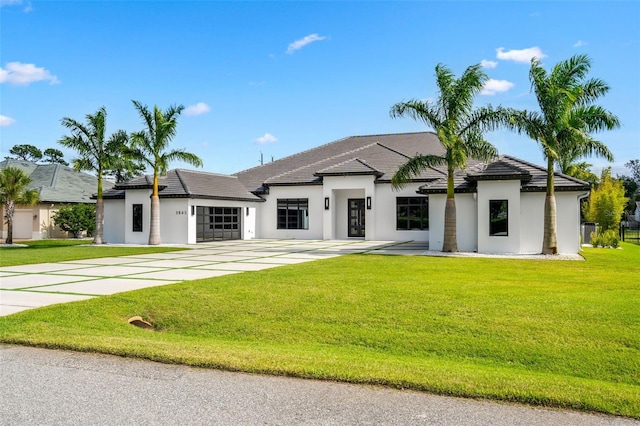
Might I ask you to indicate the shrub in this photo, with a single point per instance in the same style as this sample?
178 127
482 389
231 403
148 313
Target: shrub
608 238
76 219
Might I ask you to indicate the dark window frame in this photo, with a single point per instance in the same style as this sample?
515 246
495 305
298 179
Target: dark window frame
498 226
137 218
406 217
292 213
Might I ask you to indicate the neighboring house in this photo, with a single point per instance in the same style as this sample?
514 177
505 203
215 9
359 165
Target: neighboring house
343 190
57 186
636 214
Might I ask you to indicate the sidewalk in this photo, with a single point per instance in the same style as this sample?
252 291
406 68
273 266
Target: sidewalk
31 286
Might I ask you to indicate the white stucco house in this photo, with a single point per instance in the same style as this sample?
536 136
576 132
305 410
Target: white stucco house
342 190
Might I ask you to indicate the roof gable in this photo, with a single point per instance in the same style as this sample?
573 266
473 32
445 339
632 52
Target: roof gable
382 153
354 166
180 183
56 183
533 177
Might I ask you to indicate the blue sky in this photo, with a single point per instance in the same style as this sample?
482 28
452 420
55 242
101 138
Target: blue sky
282 77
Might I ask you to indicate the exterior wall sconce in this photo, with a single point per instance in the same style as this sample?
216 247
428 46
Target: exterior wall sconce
326 203
368 203
247 211
193 210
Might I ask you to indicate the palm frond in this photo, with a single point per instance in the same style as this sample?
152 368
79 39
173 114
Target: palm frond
419 111
413 167
185 157
479 148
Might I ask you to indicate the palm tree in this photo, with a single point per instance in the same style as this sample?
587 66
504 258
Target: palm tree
580 170
564 124
13 190
150 146
460 129
96 153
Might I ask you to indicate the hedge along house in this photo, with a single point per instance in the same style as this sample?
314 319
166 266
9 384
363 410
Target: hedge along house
57 186
194 207
342 190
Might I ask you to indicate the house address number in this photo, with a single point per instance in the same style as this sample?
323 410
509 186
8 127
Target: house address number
181 212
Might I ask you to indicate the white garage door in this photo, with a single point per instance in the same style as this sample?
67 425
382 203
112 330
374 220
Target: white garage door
23 224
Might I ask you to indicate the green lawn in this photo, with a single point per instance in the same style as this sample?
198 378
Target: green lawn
552 333
44 251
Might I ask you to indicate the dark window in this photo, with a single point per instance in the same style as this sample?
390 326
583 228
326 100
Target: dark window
137 218
412 213
499 218
293 213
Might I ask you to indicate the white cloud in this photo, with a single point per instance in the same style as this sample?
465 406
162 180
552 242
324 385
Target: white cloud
580 43
267 138
197 109
6 121
27 8
491 87
488 64
300 43
257 83
20 74
522 55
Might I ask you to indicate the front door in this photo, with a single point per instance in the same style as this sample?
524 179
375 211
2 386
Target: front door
356 217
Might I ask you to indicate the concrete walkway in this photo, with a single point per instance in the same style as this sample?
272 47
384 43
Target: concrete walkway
31 286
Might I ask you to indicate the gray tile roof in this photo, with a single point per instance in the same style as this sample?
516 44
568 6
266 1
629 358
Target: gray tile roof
533 177
57 183
380 153
181 183
354 166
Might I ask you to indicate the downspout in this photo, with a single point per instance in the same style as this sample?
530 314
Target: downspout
580 198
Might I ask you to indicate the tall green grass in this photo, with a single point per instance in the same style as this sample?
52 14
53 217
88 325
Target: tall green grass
46 251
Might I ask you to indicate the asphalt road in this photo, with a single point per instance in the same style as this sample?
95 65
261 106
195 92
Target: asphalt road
46 387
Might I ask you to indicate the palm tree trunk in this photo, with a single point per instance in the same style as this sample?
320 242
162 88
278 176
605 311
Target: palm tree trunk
450 236
98 238
10 207
550 240
154 223
450 243
9 232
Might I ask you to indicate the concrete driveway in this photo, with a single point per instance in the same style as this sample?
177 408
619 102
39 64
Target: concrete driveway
31 286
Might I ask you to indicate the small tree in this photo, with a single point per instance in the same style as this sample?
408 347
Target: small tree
54 156
76 219
26 152
631 192
634 168
13 190
606 203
